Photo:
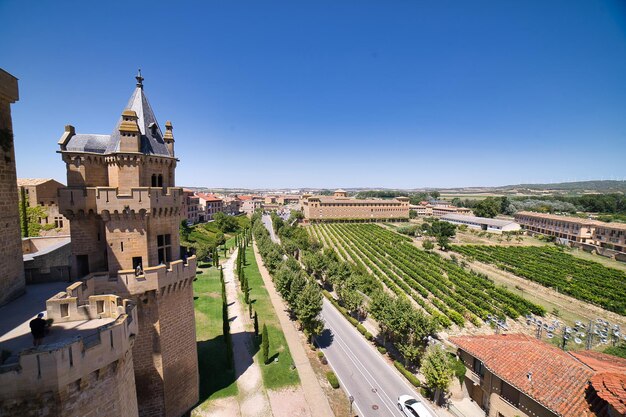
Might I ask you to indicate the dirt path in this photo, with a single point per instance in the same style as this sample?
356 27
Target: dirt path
309 400
252 398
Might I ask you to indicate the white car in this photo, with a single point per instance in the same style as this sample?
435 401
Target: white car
412 407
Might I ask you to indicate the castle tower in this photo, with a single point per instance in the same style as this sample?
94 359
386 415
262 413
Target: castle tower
124 212
11 265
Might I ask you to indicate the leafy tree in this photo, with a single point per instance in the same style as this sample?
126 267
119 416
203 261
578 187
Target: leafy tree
410 351
489 207
265 345
412 214
185 230
298 284
308 305
442 231
428 245
34 215
435 194
437 370
202 251
227 224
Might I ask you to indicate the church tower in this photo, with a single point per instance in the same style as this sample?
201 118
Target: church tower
124 212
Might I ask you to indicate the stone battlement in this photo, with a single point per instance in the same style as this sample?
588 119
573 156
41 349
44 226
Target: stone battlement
159 278
52 366
108 201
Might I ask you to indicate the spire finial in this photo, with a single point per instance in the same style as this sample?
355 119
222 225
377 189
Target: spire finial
139 79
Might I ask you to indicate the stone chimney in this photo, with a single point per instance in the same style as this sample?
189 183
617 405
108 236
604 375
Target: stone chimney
169 137
130 135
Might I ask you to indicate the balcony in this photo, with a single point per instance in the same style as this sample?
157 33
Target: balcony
107 200
474 377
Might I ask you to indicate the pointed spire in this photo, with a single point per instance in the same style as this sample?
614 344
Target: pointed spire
139 79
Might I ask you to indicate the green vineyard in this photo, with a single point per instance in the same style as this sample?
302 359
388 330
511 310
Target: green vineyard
443 289
551 267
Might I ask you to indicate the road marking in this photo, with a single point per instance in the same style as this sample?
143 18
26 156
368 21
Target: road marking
396 373
345 388
371 380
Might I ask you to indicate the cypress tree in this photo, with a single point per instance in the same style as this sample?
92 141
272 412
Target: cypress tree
256 326
246 292
265 345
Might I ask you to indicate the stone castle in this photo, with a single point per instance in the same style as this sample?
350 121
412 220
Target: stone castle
123 335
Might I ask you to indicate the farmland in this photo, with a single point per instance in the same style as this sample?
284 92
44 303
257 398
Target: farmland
442 288
582 279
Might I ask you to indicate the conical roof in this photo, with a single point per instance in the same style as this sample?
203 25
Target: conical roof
152 142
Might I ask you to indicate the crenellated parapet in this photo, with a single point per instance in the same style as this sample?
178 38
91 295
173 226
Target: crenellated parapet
161 279
53 366
109 202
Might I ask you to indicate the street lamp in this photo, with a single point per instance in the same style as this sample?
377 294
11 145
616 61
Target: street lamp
351 398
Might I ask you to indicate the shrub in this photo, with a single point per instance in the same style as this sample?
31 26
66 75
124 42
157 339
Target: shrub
407 374
332 379
361 329
382 350
369 336
320 354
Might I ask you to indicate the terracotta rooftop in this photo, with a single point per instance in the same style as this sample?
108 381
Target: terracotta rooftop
24 182
558 380
208 197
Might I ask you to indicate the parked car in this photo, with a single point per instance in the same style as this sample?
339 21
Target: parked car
412 407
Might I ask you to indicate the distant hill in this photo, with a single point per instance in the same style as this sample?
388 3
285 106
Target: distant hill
604 186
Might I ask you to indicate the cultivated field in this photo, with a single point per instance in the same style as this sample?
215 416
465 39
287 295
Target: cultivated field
582 279
442 288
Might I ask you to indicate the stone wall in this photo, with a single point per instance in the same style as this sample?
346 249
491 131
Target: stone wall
107 392
178 341
11 265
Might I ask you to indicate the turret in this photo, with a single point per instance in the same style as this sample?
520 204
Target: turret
130 135
169 137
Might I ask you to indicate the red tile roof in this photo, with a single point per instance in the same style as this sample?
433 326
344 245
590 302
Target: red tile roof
208 197
558 380
610 380
611 387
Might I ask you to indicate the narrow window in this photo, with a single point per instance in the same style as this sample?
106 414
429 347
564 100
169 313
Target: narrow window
99 306
65 310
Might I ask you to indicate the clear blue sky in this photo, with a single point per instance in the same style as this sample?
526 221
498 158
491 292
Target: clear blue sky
332 93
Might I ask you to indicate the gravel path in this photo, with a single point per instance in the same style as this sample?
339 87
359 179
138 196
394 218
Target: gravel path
253 400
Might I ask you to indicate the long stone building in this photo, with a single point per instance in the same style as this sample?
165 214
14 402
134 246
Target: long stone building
609 238
340 207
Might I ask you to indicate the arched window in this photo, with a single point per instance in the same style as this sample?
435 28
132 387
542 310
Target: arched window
154 180
160 180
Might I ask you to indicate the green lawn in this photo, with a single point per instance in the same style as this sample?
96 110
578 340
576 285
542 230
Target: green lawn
279 374
216 381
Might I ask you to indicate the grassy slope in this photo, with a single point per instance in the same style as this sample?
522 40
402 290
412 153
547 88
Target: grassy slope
275 375
215 380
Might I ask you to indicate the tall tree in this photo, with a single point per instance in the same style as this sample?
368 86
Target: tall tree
265 344
437 370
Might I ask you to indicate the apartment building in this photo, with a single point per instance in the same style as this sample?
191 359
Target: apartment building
427 209
209 205
232 205
191 206
515 375
341 207
43 192
609 236
251 203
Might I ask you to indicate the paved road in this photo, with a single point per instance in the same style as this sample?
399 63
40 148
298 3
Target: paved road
363 373
267 221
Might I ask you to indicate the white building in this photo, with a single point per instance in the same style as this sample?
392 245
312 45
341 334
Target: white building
482 223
